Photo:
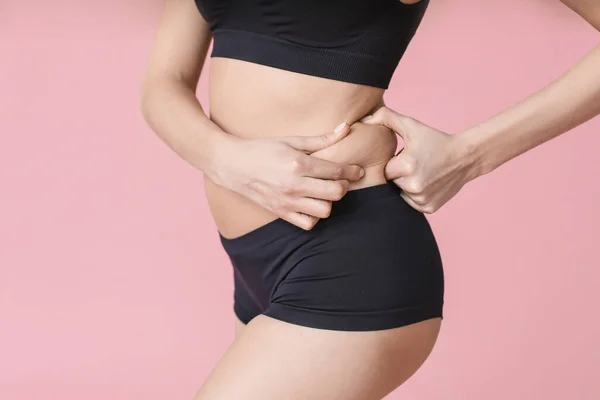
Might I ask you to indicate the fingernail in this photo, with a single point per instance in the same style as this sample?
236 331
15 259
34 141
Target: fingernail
366 118
339 128
361 173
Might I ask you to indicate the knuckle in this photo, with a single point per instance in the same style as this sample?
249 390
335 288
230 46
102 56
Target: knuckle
325 138
337 172
278 204
255 186
429 209
298 164
409 165
420 200
304 222
415 186
339 191
287 189
310 223
324 210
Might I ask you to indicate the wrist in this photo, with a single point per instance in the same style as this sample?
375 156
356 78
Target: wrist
218 148
474 152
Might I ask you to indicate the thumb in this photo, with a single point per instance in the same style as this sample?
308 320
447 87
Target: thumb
388 118
310 144
400 166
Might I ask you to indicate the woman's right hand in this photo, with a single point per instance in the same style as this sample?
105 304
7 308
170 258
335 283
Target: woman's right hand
280 175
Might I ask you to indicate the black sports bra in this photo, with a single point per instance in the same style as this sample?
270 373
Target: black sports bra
357 41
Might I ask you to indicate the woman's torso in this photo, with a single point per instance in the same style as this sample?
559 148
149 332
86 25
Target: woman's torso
251 101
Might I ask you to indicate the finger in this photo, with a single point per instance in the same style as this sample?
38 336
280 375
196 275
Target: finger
310 144
388 118
323 169
410 201
322 189
286 208
399 166
311 207
402 184
399 182
303 221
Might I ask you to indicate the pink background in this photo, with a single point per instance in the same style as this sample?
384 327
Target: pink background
112 281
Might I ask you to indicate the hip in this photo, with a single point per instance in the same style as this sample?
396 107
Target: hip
373 264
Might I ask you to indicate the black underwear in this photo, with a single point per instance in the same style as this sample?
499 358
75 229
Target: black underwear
373 264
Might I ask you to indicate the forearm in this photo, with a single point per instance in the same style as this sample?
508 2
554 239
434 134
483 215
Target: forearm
174 113
567 102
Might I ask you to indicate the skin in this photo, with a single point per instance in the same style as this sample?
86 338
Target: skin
268 150
433 165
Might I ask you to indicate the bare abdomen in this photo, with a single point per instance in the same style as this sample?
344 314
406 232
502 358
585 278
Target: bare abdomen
250 101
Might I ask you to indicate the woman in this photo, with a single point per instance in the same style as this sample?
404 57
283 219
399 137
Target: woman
338 279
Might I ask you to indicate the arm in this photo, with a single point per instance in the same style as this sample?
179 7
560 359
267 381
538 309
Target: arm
567 102
433 165
167 96
276 173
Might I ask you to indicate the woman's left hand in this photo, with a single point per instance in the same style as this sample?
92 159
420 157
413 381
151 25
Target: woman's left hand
432 166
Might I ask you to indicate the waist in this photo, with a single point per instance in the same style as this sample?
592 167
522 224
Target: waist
367 200
252 101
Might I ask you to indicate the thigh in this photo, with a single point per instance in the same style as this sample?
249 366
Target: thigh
275 360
